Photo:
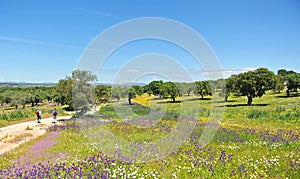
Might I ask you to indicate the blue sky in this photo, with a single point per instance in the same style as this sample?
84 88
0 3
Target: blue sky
42 41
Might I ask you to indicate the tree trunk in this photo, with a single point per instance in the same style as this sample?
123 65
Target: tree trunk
129 101
16 106
249 100
288 93
173 98
202 96
226 98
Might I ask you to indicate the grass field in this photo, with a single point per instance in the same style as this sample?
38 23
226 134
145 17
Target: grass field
259 141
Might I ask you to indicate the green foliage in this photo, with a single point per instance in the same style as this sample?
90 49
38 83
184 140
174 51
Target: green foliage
233 152
291 80
103 93
279 109
279 83
140 109
118 92
253 83
169 89
254 114
16 115
22 96
203 88
138 89
155 87
109 112
77 91
64 91
2 99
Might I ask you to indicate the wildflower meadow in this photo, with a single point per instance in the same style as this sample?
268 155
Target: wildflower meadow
259 141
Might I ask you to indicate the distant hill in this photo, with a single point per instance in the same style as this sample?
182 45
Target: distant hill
24 84
121 84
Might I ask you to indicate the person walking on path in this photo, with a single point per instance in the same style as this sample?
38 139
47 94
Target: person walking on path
39 115
54 114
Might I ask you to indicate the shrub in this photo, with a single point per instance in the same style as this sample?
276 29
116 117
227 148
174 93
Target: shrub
254 114
16 115
285 116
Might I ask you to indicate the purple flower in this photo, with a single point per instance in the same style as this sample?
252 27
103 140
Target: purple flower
196 164
230 158
233 171
211 169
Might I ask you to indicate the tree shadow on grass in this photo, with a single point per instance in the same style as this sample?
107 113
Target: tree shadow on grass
198 99
156 98
291 96
68 108
164 102
229 101
238 105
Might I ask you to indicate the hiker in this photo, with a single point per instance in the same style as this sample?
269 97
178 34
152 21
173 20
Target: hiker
54 114
39 115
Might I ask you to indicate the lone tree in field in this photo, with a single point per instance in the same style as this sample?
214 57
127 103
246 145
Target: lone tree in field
169 89
155 87
202 88
227 87
118 92
77 90
83 91
254 83
291 79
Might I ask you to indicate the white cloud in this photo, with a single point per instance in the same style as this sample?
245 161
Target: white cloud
13 39
132 70
29 41
226 73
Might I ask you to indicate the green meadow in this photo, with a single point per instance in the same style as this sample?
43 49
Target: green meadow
259 141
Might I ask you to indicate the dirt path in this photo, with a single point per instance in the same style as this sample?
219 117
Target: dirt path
17 134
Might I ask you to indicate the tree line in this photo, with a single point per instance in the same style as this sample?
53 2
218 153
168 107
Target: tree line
79 88
31 95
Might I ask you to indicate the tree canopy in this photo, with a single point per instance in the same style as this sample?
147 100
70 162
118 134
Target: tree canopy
253 83
203 88
77 91
154 87
169 89
291 79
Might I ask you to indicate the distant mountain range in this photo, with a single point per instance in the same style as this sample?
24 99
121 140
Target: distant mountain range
24 84
28 84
